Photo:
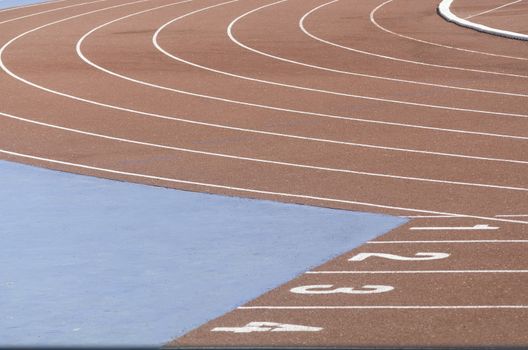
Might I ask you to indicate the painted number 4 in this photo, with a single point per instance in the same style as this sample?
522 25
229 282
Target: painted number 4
267 327
417 257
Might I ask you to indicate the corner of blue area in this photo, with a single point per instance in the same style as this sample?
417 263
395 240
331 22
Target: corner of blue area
87 261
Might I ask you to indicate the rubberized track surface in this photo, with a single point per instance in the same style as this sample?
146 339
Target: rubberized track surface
365 105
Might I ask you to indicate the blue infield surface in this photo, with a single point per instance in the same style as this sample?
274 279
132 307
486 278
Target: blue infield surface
98 262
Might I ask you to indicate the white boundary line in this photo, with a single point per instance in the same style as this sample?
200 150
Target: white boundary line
411 272
9 72
453 241
493 9
257 160
249 190
444 9
372 19
382 307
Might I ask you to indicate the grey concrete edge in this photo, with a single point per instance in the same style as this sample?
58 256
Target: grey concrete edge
444 10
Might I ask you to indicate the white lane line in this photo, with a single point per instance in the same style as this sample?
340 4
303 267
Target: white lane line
372 19
249 190
512 216
313 36
371 98
493 9
52 10
352 144
156 44
382 307
256 160
428 216
444 11
454 241
32 5
155 41
454 228
159 47
411 272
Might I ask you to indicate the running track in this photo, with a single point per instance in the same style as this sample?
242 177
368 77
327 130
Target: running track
366 105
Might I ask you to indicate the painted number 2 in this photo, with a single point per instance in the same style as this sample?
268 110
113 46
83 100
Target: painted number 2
418 256
324 289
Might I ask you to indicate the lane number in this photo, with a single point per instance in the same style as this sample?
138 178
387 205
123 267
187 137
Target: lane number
267 327
420 256
324 289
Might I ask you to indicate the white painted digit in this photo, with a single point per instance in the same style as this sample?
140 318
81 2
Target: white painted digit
323 289
267 327
418 256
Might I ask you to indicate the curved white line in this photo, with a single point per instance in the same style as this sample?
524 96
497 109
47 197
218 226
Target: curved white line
2 65
373 20
255 191
155 41
228 187
415 104
160 48
444 9
257 160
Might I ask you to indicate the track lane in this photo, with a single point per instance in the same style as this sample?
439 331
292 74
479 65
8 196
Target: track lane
459 41
107 158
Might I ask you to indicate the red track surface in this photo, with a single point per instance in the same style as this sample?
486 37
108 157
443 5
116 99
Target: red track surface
370 105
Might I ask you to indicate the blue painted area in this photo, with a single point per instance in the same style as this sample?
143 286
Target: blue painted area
97 262
13 3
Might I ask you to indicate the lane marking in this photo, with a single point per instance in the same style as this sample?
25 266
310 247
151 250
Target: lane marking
322 289
411 272
418 256
313 36
493 9
267 327
2 65
250 159
428 216
512 215
323 115
221 186
454 241
403 307
479 227
447 47
415 104
444 10
248 190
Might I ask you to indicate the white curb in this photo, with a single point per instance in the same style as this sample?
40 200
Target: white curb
444 10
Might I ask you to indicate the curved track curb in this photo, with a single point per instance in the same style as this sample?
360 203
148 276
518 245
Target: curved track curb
444 10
